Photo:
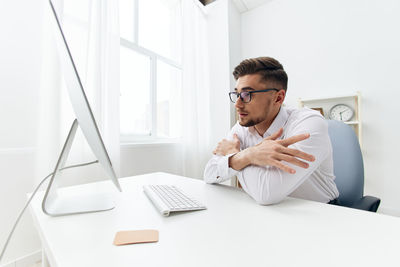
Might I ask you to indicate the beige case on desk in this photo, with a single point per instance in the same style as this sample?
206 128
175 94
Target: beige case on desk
134 237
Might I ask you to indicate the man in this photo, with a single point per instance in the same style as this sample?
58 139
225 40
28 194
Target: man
273 150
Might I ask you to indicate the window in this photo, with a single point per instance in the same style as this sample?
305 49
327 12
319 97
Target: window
150 70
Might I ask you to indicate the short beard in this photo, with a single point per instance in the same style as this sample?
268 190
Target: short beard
251 123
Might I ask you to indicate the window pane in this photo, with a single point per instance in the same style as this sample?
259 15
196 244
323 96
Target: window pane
135 93
160 27
126 19
169 100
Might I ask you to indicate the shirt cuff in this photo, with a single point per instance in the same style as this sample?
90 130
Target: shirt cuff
223 167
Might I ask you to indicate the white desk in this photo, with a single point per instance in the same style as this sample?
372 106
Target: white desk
233 231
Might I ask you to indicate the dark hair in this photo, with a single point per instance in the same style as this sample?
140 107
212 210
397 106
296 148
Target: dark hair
269 68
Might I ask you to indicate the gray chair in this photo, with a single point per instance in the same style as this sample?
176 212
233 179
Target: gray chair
349 168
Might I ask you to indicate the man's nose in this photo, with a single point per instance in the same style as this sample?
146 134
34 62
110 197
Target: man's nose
239 103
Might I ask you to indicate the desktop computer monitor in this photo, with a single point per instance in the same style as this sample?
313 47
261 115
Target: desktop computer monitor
56 204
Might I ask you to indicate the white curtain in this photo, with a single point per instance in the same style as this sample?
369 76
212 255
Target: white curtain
196 90
92 32
103 72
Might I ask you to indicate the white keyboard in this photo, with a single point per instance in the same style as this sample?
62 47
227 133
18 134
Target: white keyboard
168 198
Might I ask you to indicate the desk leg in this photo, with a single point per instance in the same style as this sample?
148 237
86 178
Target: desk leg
45 262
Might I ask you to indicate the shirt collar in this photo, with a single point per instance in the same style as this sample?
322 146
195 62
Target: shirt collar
279 122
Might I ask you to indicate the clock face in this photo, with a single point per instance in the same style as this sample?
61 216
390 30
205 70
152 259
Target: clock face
341 112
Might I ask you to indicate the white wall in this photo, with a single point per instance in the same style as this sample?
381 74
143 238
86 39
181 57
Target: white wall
339 47
20 54
140 159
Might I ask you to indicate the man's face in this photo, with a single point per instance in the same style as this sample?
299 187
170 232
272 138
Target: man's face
263 106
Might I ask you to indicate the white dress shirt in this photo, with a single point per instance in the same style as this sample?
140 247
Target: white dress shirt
268 184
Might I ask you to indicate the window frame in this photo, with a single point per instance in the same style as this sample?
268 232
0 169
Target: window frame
152 138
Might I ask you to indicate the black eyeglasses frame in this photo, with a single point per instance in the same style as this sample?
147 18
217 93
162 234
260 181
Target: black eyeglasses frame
239 95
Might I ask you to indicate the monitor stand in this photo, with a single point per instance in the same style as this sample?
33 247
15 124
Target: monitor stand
56 204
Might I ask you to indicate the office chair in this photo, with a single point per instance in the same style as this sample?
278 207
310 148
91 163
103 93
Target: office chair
349 168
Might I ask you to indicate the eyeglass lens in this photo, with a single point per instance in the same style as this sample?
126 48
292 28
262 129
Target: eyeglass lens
245 96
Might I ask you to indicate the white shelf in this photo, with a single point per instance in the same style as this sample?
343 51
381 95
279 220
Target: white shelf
326 103
338 97
351 122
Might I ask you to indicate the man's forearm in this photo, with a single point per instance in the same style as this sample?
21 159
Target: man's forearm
240 160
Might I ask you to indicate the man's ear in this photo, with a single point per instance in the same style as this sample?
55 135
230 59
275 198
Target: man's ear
280 96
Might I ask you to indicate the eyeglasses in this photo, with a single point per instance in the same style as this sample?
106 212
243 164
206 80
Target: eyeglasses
245 96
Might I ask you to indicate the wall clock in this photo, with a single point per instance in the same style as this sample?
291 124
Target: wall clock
341 112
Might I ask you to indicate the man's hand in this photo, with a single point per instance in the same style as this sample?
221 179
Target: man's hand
226 147
272 152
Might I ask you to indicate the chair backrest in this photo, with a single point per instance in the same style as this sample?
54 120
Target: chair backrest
347 162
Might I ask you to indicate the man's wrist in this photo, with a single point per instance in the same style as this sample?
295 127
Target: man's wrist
240 160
